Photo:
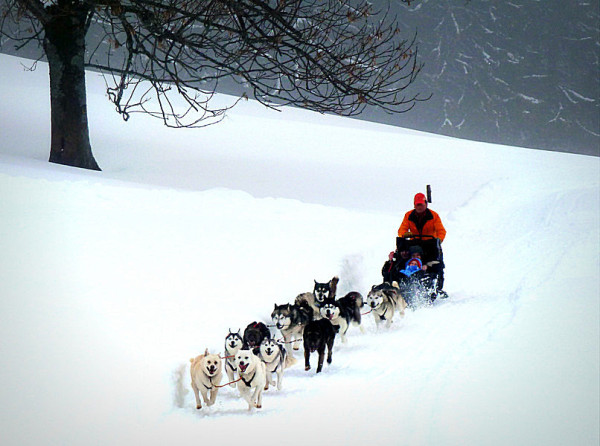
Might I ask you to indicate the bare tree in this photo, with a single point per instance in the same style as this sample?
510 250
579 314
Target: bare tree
167 57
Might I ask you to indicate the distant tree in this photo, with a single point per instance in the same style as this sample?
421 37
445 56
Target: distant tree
166 58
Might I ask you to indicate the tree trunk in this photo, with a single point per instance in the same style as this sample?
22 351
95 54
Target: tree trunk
64 44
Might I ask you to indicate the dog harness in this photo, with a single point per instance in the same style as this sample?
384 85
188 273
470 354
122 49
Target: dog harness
230 364
211 383
381 316
248 382
279 359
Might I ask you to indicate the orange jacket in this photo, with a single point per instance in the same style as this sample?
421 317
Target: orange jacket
430 224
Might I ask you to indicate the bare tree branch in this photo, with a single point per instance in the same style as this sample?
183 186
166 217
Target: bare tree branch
168 57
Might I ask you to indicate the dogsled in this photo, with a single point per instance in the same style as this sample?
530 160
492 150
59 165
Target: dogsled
419 286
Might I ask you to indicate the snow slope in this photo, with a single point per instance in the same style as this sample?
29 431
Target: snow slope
112 280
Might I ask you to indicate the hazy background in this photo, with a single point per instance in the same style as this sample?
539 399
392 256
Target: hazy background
522 73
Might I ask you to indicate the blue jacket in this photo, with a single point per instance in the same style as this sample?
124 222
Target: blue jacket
410 270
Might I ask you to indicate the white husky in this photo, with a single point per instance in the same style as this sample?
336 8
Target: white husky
206 374
253 377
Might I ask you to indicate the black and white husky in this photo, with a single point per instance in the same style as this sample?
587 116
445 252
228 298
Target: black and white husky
233 344
343 312
325 290
274 356
291 320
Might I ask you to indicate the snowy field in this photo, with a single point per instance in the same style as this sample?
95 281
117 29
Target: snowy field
111 281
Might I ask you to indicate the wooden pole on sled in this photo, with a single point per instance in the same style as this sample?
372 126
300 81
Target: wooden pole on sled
428 193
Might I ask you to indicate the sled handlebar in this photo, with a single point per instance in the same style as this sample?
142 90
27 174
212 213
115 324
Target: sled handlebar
417 236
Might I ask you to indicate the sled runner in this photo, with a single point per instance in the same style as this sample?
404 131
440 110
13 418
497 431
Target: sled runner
423 286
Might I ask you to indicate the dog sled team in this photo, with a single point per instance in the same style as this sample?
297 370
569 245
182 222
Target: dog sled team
255 360
413 275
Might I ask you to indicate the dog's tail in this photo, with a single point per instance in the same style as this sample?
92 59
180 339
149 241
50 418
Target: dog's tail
358 302
358 299
396 296
289 361
308 298
333 286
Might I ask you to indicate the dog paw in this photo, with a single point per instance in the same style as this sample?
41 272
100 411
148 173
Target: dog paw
307 368
296 347
259 406
198 406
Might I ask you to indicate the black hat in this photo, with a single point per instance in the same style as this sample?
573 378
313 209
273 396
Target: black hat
416 249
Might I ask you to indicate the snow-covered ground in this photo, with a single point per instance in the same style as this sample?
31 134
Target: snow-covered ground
111 281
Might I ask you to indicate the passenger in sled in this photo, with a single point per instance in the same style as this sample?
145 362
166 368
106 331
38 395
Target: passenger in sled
418 279
419 237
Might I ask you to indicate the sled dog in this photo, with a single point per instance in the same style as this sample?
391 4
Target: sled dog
233 343
325 290
344 311
254 334
253 377
291 320
309 299
206 374
274 356
318 335
383 300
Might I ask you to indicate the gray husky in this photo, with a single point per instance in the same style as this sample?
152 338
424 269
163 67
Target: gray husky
291 320
384 300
